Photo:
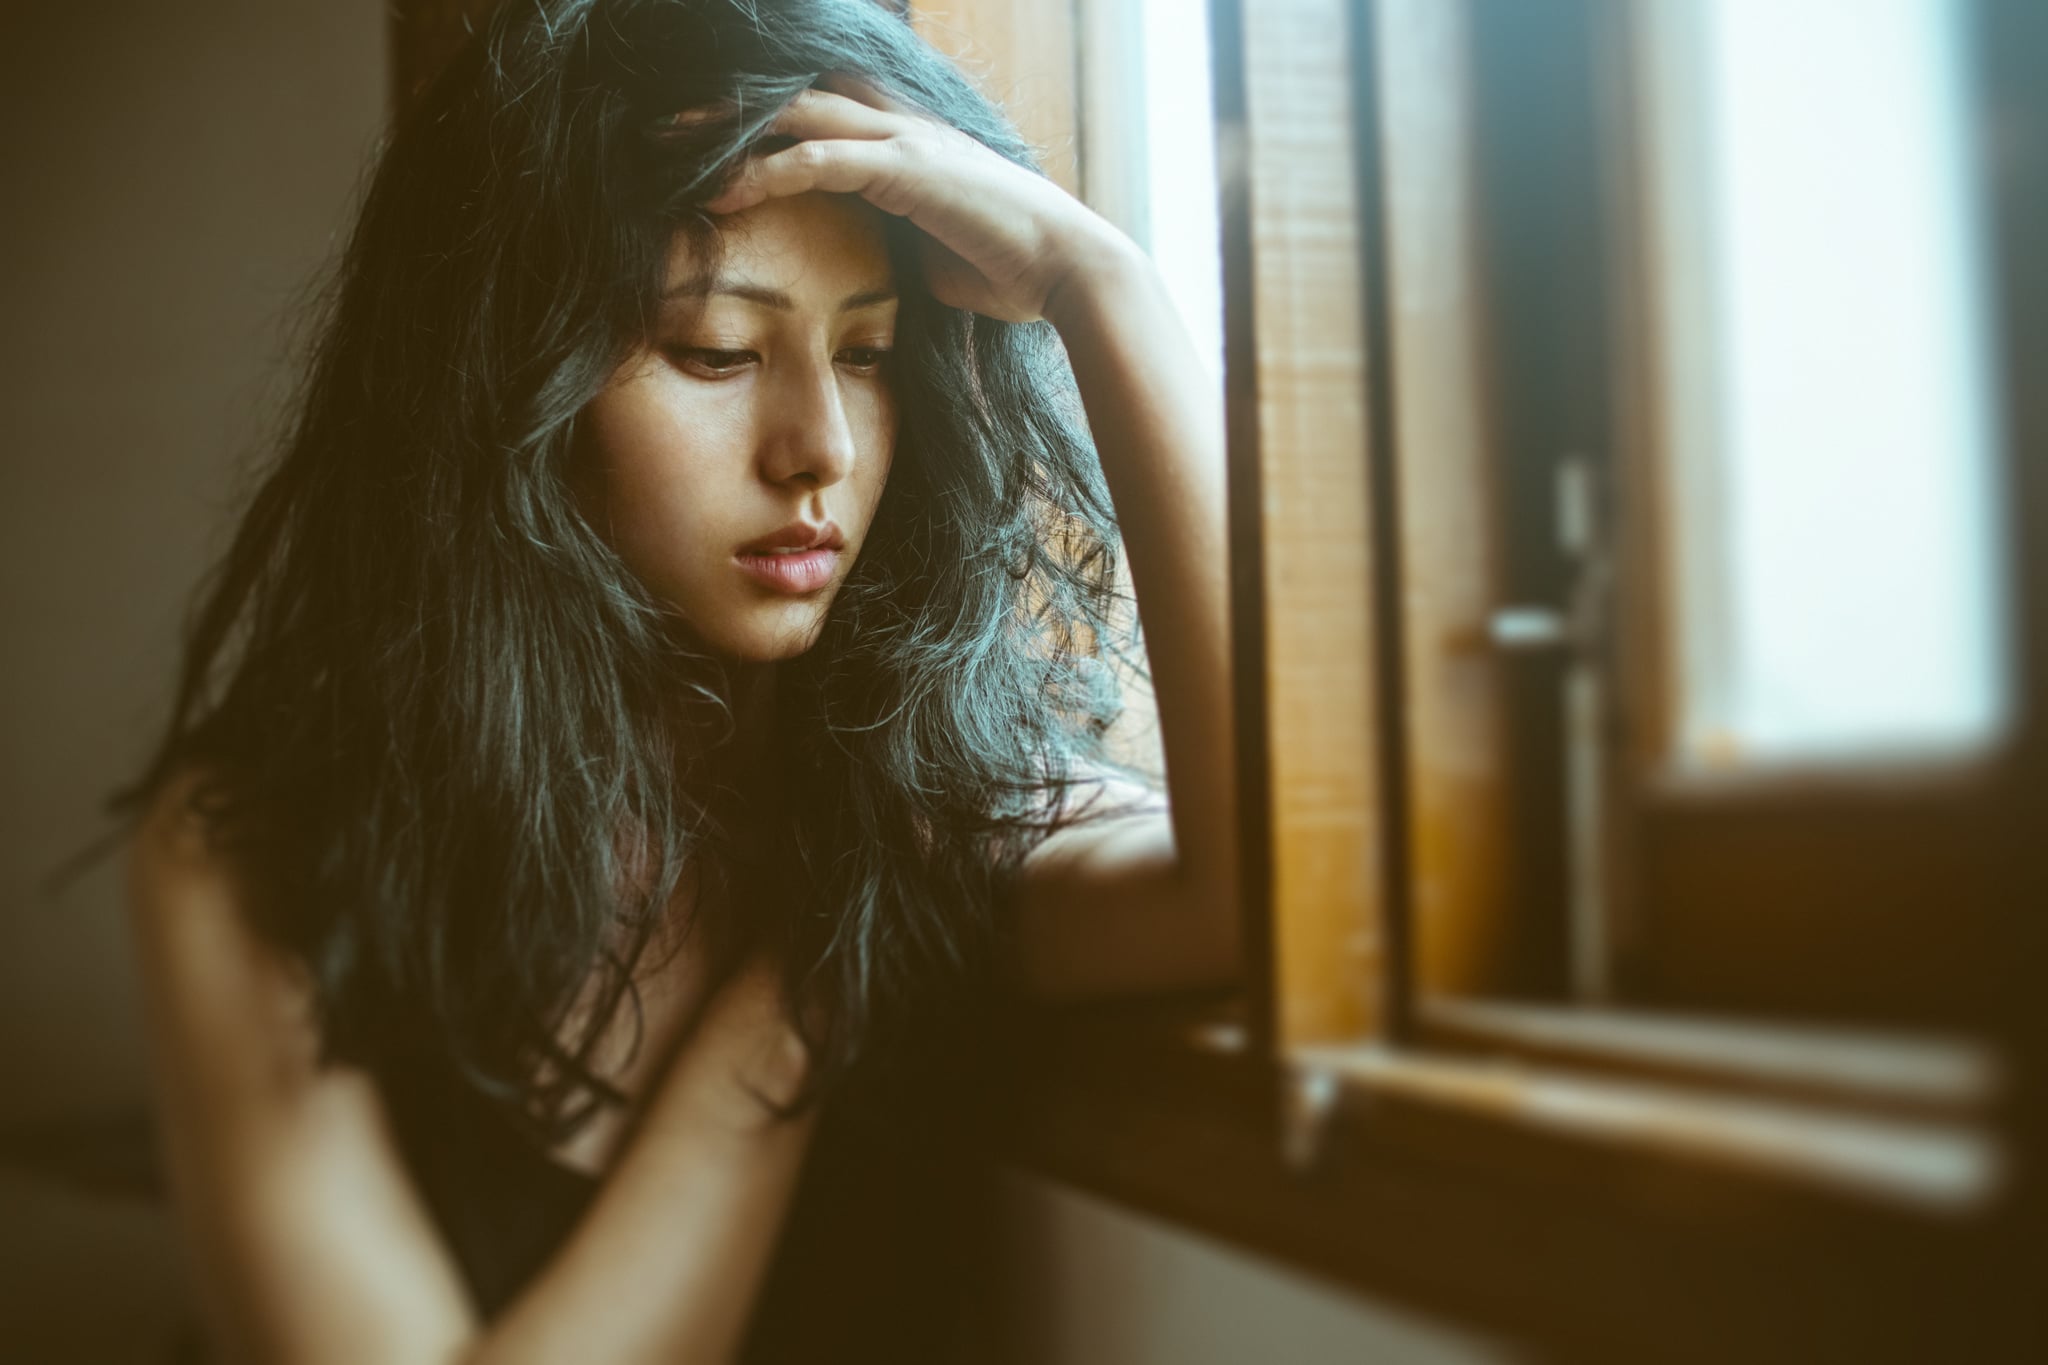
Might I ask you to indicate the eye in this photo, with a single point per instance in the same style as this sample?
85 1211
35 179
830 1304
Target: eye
866 357
712 362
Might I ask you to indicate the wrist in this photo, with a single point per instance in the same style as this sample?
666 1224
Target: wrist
1103 261
744 1054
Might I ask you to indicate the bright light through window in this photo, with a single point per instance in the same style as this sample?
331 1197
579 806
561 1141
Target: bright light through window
1839 558
1149 147
1180 126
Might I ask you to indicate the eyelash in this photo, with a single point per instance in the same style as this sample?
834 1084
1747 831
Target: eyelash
700 354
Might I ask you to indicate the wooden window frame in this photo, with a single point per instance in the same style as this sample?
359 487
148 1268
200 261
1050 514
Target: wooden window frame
1599 1184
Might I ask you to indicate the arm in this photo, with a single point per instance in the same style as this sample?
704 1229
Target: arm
308 1241
670 1258
1149 900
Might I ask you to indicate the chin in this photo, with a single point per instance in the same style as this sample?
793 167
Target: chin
773 634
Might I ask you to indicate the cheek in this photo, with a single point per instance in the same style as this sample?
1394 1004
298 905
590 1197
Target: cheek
654 473
878 432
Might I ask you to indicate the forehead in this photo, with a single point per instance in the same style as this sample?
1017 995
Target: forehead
813 247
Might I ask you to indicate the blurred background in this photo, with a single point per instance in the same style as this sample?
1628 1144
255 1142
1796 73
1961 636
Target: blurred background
1628 439
175 174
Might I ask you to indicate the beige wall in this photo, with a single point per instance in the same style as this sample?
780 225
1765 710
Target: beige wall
1082 1281
170 175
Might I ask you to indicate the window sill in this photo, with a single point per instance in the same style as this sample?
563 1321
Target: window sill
1908 1074
1593 1217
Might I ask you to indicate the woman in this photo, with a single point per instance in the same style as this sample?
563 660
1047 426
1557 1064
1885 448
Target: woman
689 583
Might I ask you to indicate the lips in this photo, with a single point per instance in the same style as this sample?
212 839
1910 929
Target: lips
797 536
789 571
800 558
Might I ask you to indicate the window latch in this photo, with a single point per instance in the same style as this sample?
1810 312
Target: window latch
1573 629
1576 634
1311 1105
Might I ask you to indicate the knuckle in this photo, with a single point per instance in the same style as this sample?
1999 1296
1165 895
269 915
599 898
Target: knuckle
907 151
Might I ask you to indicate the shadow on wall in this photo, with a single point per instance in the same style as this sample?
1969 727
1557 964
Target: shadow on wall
176 175
1082 1281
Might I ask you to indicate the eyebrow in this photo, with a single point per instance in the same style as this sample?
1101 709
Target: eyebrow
771 298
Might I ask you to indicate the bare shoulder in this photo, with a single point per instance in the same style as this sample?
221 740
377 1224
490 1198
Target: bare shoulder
170 843
172 859
184 884
192 908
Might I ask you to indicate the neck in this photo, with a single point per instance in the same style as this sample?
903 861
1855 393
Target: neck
753 708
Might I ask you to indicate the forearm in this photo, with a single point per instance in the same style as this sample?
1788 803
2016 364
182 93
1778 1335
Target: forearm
1157 424
668 1261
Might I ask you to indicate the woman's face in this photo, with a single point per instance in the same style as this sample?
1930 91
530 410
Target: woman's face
762 404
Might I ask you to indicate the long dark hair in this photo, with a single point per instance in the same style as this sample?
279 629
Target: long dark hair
479 754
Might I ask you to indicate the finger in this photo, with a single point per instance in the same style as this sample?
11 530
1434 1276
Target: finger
827 114
864 91
684 119
850 166
859 88
681 123
812 113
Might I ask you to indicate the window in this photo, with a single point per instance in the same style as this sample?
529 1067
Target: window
1149 148
1626 406
1640 541
1828 421
1823 682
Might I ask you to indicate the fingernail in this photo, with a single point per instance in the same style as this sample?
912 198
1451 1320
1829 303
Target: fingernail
681 121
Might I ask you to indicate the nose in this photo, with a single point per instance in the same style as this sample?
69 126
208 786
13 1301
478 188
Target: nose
807 431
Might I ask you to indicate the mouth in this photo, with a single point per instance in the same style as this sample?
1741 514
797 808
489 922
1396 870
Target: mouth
790 570
798 536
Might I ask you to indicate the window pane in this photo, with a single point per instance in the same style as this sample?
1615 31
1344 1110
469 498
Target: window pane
1831 424
1180 121
1149 160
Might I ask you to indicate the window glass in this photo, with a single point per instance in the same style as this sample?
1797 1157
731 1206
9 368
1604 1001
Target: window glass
1149 154
1830 421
